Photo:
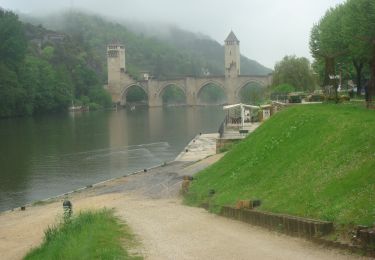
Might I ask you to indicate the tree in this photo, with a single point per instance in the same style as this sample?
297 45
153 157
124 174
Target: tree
296 72
13 42
326 42
12 53
359 35
283 88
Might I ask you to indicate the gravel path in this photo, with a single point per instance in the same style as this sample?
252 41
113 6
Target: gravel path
149 203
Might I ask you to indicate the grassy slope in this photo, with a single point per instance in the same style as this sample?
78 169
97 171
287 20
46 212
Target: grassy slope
314 160
91 235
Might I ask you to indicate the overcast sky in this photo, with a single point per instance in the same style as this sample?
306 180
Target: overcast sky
268 29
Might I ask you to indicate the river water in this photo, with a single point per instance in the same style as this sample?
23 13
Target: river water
46 156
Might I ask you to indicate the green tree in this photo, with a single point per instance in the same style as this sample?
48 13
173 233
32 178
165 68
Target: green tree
12 53
326 43
295 71
13 42
359 35
100 96
8 86
283 88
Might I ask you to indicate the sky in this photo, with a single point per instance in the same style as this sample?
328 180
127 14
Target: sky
267 29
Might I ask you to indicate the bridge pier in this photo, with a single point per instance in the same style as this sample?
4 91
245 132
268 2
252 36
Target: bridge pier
154 98
230 85
190 92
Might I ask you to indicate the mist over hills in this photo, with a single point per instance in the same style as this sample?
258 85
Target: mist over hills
164 50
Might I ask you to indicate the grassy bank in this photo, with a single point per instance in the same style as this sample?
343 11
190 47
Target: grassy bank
313 161
90 235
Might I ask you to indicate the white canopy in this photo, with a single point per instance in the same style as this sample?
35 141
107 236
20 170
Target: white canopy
242 108
240 105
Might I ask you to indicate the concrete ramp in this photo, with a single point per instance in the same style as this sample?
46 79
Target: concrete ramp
199 148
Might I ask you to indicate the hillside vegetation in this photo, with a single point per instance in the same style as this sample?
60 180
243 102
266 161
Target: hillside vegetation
176 53
44 71
314 161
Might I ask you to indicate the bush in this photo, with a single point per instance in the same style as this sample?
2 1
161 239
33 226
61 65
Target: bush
315 98
85 100
95 106
340 99
283 88
294 98
99 96
343 98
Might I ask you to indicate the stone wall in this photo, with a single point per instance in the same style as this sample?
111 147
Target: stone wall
295 226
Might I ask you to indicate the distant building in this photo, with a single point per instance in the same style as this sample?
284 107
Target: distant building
54 38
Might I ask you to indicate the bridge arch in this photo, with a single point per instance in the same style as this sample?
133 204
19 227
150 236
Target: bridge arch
216 92
176 96
134 86
168 85
249 82
251 91
208 82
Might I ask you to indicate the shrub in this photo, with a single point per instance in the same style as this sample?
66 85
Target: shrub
283 88
95 106
315 97
294 98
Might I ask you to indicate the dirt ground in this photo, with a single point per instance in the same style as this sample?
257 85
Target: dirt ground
150 204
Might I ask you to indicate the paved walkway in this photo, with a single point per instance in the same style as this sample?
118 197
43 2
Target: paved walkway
200 147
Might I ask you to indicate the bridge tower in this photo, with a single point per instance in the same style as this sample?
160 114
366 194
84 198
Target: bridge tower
116 69
116 61
232 56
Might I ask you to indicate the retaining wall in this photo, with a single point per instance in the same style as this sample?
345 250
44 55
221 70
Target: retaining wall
290 225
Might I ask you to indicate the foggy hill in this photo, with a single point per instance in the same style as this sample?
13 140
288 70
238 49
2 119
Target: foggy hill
165 52
199 45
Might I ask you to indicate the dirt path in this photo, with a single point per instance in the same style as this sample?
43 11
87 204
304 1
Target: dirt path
148 202
169 230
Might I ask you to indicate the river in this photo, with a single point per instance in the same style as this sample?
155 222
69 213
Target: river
45 156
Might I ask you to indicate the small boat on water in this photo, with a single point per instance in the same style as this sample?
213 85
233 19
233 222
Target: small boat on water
74 108
132 108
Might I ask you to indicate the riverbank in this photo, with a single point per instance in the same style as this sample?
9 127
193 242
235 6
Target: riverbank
47 155
166 229
149 203
159 182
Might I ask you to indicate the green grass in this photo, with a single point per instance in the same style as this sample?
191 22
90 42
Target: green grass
313 161
90 235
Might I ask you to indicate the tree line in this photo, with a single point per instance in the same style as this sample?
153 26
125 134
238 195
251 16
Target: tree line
45 71
343 42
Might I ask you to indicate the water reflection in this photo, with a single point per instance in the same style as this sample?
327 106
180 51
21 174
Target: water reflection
49 155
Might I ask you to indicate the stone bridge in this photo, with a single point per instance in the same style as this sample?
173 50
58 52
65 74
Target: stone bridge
119 81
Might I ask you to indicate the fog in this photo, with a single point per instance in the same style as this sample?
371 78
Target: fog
268 29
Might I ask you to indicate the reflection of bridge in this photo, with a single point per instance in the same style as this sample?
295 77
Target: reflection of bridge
231 83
